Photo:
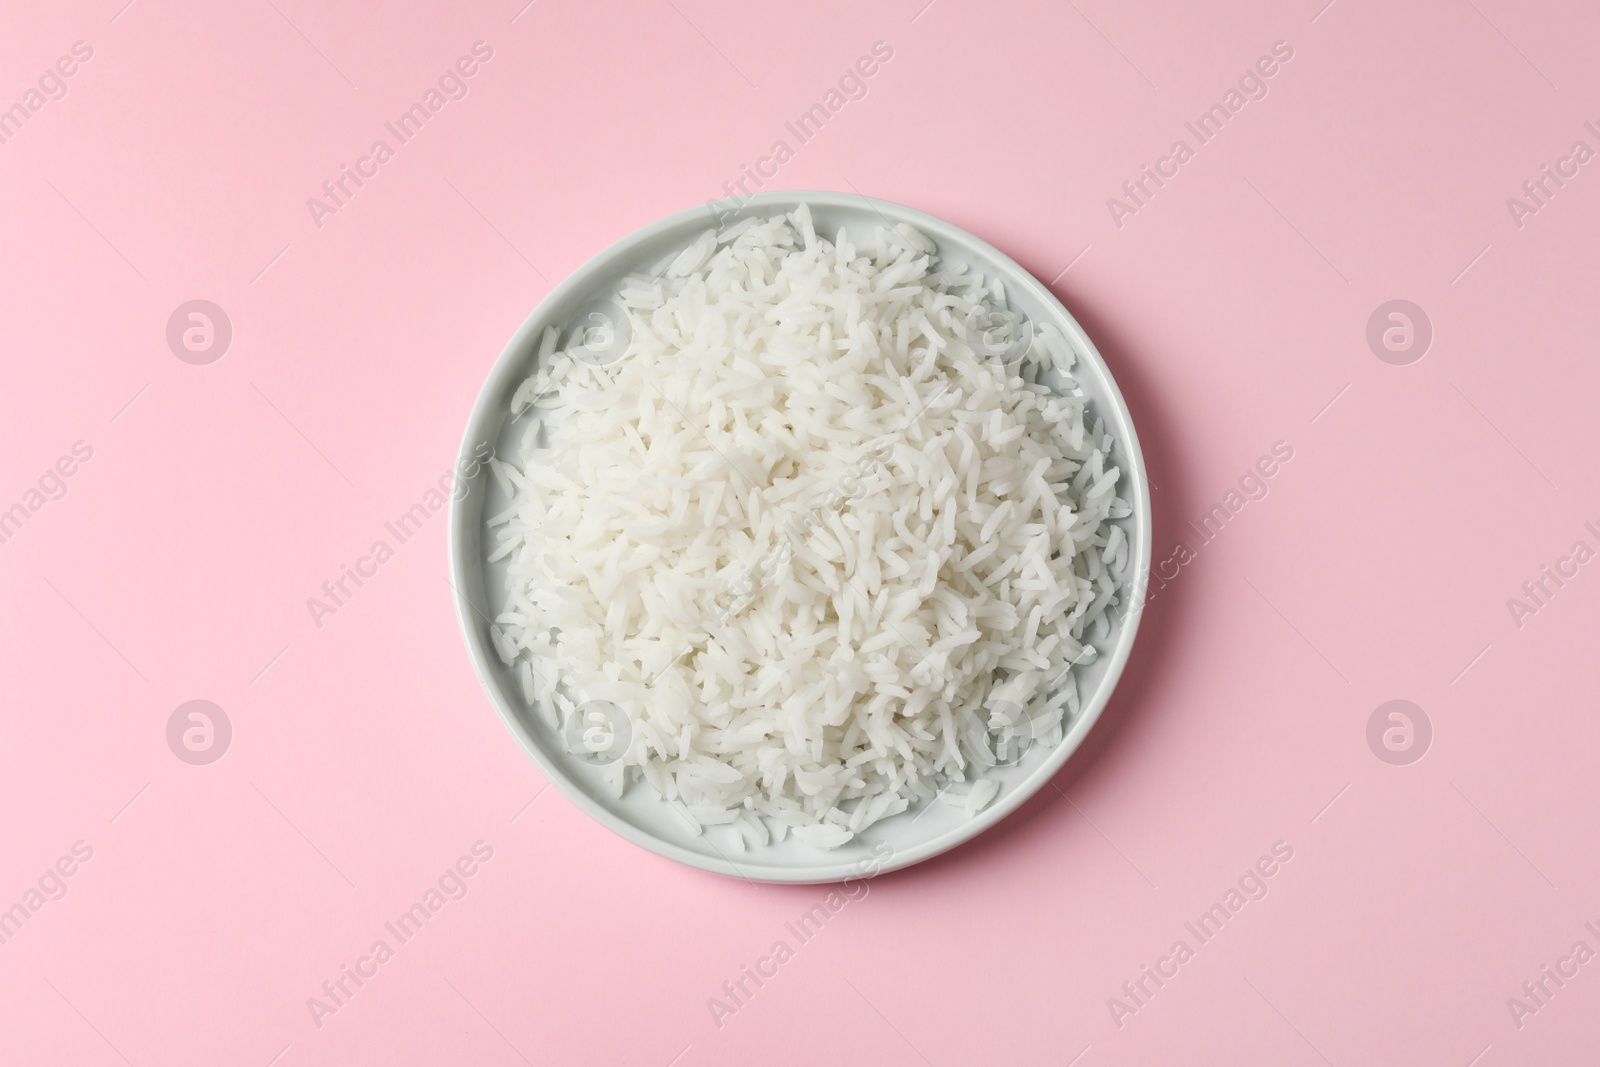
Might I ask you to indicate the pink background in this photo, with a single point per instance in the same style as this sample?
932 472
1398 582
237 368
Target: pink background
1232 308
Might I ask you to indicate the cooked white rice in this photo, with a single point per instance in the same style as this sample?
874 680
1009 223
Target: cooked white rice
824 549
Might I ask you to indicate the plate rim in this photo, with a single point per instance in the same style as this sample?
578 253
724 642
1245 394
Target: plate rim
516 351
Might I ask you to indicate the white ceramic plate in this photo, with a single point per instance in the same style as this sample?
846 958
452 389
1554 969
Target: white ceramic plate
640 816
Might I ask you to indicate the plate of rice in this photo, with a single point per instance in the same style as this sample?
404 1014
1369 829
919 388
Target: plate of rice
801 541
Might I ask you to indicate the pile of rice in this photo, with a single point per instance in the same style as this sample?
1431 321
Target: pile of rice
823 548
